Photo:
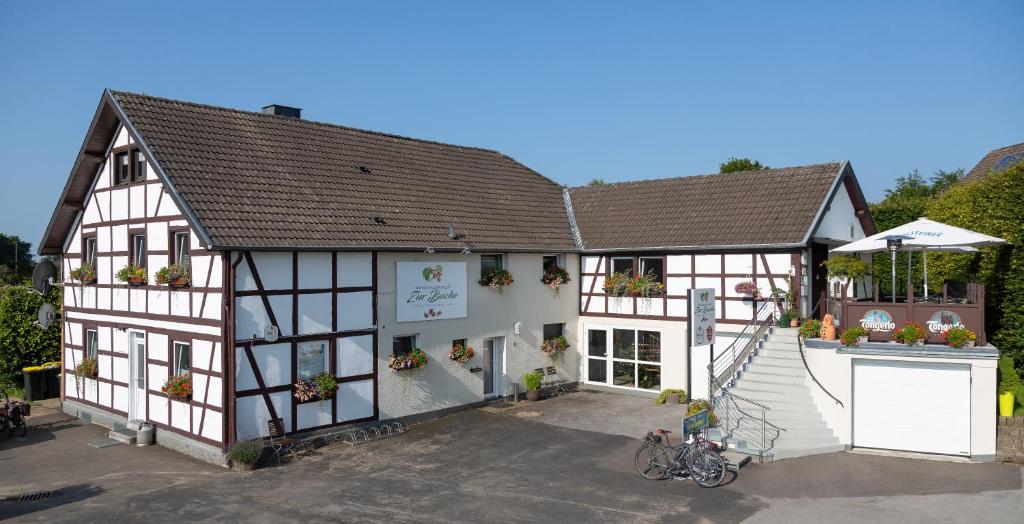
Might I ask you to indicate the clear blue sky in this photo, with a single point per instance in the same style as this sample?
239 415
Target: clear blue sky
619 91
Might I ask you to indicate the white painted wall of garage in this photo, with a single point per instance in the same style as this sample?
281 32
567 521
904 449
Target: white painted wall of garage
835 371
444 383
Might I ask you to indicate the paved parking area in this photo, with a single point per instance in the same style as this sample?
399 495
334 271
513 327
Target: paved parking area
547 461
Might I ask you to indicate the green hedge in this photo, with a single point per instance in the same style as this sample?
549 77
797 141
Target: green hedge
993 205
22 343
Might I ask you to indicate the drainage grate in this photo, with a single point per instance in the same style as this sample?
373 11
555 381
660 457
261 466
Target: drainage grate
33 497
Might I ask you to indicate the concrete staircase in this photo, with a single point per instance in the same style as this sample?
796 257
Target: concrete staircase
775 377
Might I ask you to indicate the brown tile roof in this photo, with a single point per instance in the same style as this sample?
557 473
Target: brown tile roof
774 206
263 181
997 160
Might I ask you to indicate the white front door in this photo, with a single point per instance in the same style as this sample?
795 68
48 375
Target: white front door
624 357
137 379
912 406
494 367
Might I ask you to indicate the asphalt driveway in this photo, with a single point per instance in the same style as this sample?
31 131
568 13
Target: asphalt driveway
547 461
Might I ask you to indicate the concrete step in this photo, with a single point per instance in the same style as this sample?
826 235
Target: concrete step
764 368
809 424
780 453
764 378
124 435
779 358
755 390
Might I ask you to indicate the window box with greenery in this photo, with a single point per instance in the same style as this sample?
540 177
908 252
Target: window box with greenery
174 275
852 337
461 352
554 277
810 329
320 387
84 274
497 279
87 368
553 346
179 387
132 275
533 381
414 359
959 337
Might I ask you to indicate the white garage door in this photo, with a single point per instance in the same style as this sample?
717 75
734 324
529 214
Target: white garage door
912 406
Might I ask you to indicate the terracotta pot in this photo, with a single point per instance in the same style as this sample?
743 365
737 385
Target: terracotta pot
794 322
672 399
533 395
135 281
178 282
88 280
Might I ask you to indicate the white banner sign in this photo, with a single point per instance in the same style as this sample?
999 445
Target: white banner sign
431 290
702 316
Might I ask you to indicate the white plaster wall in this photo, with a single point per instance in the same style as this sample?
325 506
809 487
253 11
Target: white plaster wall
836 225
835 372
444 383
673 344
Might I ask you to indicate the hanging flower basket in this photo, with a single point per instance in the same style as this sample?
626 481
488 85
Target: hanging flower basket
748 288
497 278
179 387
320 387
553 346
414 359
461 354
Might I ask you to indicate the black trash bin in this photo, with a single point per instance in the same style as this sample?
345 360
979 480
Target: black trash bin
42 384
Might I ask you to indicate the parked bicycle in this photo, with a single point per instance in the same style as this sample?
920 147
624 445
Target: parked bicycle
12 416
698 459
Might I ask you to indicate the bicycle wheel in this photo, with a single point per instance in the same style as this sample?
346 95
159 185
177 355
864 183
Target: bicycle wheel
707 468
652 461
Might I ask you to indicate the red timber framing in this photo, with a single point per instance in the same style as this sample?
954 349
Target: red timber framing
114 212
764 275
249 347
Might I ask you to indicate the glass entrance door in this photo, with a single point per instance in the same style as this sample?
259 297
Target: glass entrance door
597 356
634 361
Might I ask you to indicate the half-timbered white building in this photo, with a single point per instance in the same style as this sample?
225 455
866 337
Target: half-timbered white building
314 249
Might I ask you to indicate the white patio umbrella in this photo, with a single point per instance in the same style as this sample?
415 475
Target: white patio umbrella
922 235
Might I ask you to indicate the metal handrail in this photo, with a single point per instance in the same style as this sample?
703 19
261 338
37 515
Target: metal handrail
800 344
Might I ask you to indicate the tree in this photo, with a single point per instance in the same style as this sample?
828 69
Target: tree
15 270
22 342
740 164
596 182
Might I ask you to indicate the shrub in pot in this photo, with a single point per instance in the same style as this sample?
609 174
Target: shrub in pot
810 328
671 396
245 454
959 337
911 334
851 337
532 381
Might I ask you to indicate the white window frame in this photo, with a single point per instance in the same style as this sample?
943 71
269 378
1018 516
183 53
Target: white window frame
92 350
177 349
182 245
138 252
611 264
90 250
611 358
642 269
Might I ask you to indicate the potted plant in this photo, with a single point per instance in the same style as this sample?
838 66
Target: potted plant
245 454
959 337
553 346
911 334
748 288
1009 386
174 275
785 318
554 277
460 353
320 387
87 368
615 284
414 359
132 275
533 381
671 396
644 286
497 278
810 328
84 274
179 387
852 337
700 404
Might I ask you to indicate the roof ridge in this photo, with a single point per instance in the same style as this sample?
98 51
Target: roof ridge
665 179
1005 147
307 121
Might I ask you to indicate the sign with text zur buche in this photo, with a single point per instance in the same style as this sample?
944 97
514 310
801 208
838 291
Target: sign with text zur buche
434 290
702 316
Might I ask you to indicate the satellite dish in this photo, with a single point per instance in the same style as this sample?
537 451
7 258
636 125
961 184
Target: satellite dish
270 334
47 314
42 276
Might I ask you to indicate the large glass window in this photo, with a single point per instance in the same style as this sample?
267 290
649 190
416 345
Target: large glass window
624 343
597 343
635 360
312 359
